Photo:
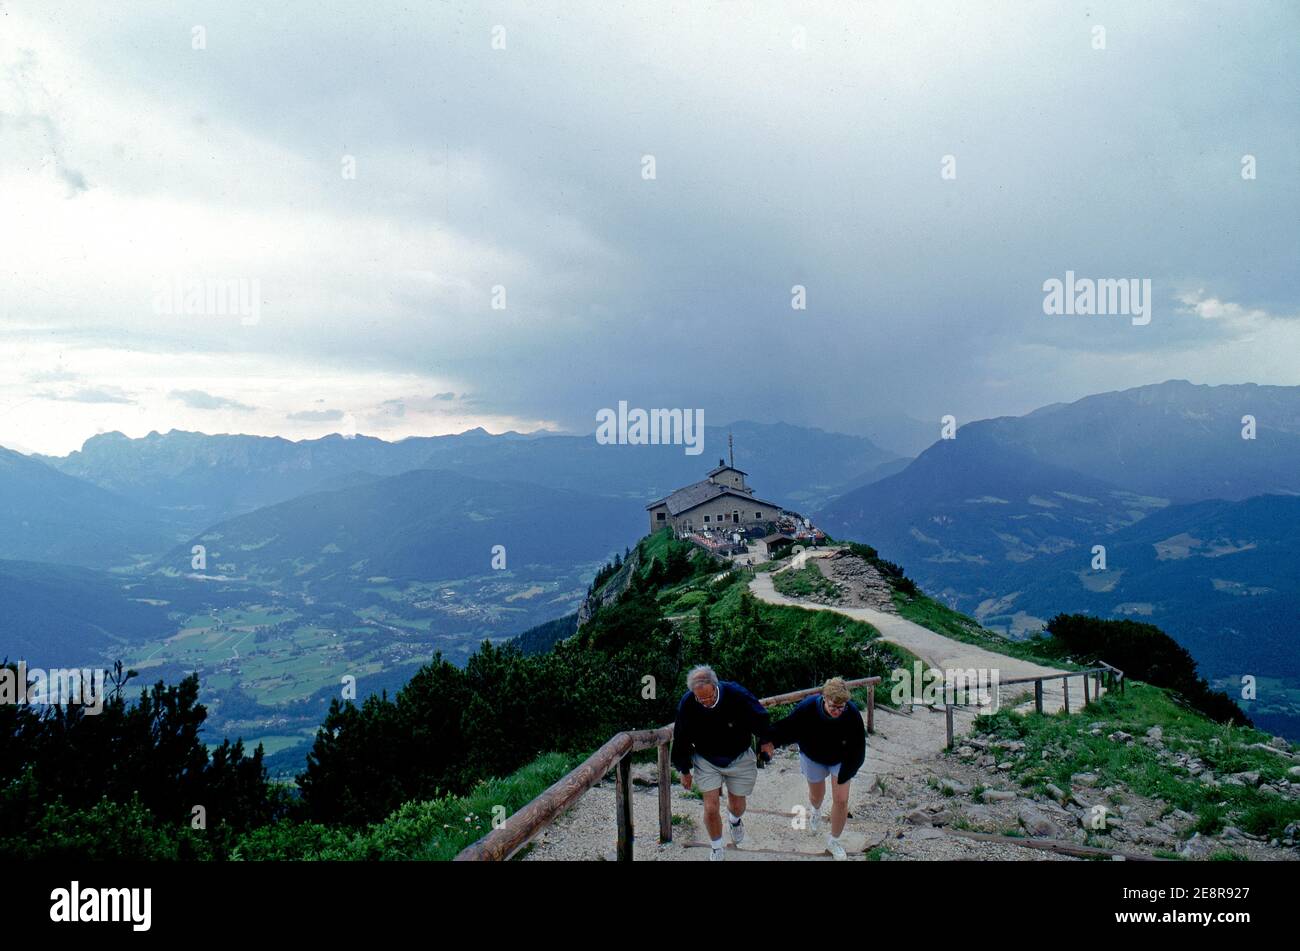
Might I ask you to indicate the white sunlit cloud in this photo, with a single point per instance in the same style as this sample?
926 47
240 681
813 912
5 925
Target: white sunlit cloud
1236 319
111 193
209 393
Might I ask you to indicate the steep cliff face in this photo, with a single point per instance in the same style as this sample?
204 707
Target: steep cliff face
609 592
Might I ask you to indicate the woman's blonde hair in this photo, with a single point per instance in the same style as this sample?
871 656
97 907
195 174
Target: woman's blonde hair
836 691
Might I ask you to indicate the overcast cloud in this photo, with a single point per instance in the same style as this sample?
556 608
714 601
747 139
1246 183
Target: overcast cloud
796 144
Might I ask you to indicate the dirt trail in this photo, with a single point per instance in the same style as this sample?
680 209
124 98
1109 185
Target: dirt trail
939 651
904 756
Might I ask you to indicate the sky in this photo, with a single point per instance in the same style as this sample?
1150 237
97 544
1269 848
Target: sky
436 216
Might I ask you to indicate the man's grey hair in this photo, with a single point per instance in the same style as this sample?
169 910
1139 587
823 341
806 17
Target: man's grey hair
702 672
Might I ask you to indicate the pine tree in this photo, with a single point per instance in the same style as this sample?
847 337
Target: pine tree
706 636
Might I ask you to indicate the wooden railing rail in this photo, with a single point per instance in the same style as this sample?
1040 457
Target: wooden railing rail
1112 677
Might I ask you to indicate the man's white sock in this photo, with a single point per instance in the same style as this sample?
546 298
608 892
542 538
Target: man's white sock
732 819
716 843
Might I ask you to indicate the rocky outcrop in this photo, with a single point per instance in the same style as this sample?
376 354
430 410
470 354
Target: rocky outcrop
612 589
861 585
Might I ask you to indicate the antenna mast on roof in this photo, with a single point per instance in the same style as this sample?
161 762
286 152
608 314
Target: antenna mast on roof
731 450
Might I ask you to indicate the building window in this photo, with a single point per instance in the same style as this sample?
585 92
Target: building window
758 515
706 520
659 516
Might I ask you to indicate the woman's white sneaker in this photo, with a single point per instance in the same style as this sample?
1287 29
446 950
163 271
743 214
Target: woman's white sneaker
836 850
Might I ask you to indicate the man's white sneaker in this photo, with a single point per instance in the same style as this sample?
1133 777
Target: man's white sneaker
716 855
737 831
836 850
814 819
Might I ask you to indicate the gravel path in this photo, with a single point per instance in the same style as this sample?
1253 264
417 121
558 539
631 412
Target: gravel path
888 799
939 651
902 753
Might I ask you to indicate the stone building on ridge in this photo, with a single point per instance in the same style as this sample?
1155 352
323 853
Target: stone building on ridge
722 502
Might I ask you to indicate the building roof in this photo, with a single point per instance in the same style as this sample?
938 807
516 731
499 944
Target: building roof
713 472
693 496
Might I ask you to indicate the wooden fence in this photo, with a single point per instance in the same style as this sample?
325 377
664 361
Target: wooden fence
1113 677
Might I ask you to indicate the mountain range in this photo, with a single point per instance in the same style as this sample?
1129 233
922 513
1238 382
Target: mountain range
423 525
1221 575
363 537
46 515
1199 525
194 481
1005 492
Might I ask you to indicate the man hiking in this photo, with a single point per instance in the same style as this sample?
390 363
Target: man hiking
832 742
711 746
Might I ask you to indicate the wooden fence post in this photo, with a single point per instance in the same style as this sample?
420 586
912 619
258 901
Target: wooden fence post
1065 686
948 717
871 708
1038 696
665 796
1085 688
623 801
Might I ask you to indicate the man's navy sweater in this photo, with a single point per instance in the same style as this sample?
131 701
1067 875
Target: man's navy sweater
823 738
719 733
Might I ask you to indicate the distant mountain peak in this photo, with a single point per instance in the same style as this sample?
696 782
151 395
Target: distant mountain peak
114 436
